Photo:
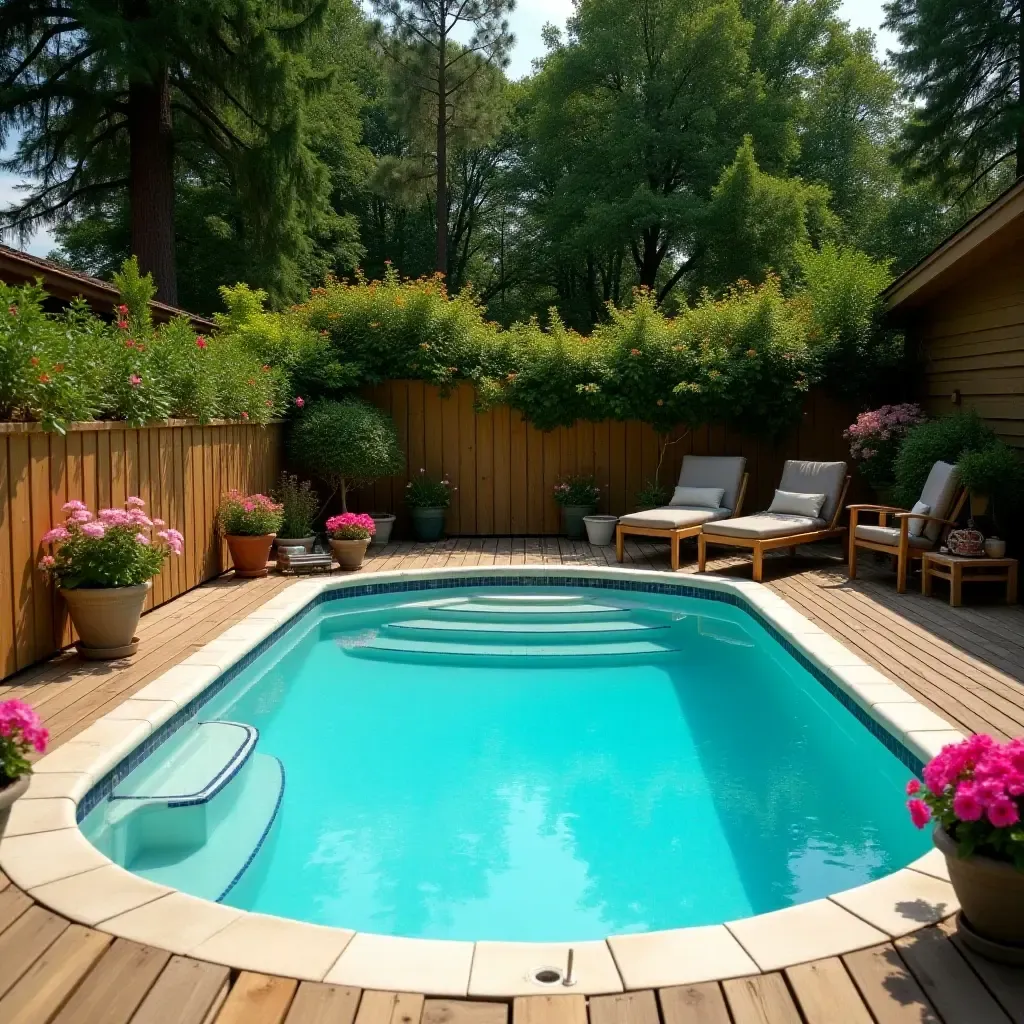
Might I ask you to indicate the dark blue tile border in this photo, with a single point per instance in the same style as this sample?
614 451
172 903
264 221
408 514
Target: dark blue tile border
101 791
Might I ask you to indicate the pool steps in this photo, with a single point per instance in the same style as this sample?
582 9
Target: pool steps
199 814
637 648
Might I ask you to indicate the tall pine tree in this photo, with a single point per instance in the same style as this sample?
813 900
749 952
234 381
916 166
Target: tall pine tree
93 90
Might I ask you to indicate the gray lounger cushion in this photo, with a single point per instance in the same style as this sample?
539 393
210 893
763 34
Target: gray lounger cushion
725 471
815 478
938 492
673 517
764 525
888 535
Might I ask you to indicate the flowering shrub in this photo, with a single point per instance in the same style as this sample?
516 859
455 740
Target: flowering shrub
351 526
299 506
21 730
577 490
423 492
248 515
975 791
118 547
875 440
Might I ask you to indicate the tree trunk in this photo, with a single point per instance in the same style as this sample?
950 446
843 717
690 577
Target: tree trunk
343 490
151 186
441 208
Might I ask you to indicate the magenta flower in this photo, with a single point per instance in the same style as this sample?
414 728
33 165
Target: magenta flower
57 533
300 401
1003 813
920 813
141 538
200 341
913 787
966 804
20 729
135 380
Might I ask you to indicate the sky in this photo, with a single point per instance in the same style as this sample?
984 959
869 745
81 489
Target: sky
527 21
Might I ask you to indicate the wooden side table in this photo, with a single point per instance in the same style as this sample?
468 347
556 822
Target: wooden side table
959 571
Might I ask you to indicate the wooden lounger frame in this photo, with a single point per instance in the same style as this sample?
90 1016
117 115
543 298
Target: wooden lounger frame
672 534
901 550
759 545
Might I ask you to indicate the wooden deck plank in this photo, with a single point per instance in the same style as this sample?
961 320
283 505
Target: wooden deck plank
624 1008
187 992
25 941
955 991
825 993
890 990
458 1011
390 1008
761 999
46 986
13 903
114 988
694 1004
316 1003
257 999
1004 982
549 1010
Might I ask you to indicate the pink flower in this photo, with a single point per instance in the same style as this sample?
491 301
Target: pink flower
966 804
920 814
115 517
200 342
47 562
122 324
74 506
245 415
122 309
159 522
57 533
913 787
21 727
94 530
134 502
141 538
135 380
81 515
1003 813
300 401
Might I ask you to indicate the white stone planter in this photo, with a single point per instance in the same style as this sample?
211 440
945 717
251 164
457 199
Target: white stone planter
384 523
600 529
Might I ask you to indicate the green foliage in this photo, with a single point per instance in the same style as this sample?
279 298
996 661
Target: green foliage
348 444
995 471
946 439
653 494
578 491
299 505
423 491
248 515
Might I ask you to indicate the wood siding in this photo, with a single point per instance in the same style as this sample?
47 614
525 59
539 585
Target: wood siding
505 468
179 469
971 338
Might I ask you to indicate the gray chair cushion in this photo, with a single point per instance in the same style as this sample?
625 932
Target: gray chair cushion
764 525
725 471
815 478
938 492
888 535
673 517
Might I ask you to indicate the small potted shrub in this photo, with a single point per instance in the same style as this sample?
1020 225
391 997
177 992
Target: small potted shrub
652 495
348 444
577 496
103 566
249 523
875 438
428 501
974 793
21 730
349 534
299 507
993 474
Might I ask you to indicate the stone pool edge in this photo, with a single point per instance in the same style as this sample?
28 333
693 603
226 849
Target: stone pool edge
45 853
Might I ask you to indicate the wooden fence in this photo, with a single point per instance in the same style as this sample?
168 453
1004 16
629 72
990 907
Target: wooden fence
505 468
179 469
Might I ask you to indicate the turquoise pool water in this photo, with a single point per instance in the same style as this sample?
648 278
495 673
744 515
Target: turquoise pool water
520 765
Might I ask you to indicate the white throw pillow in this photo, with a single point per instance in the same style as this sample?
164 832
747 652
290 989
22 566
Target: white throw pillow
915 527
792 504
704 497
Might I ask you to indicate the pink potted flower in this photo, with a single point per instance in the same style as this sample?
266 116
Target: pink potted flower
104 565
350 534
974 793
21 731
249 523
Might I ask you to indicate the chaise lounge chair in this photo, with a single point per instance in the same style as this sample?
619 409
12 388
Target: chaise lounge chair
806 508
710 487
921 529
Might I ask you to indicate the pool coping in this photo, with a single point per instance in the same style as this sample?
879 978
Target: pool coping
44 852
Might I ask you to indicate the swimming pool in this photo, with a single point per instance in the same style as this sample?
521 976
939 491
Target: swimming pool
531 758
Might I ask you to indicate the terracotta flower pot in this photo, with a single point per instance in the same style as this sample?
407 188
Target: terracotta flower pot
991 895
106 619
8 795
250 554
349 554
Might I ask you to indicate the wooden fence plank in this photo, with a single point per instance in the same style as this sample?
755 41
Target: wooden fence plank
468 469
8 650
42 590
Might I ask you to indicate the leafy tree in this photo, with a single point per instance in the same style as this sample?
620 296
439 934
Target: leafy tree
434 72
102 90
962 65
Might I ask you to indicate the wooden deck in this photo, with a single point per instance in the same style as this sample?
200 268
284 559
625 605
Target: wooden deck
967 663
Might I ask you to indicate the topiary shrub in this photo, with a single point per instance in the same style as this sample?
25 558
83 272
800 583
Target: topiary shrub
348 444
946 440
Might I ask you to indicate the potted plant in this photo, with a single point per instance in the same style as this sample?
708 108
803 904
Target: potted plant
578 497
993 474
652 495
384 522
428 501
21 730
103 566
974 793
299 507
600 529
349 534
875 438
348 444
249 523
